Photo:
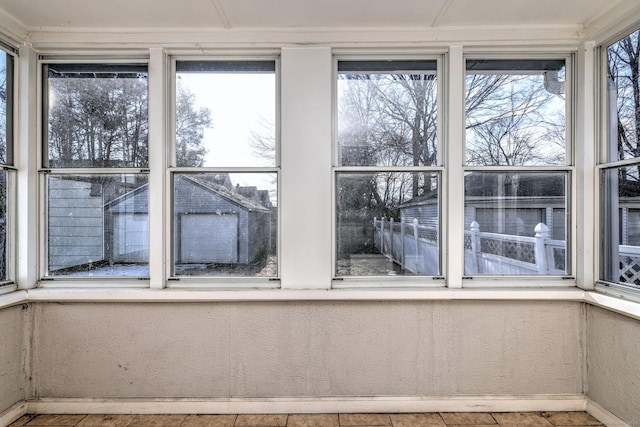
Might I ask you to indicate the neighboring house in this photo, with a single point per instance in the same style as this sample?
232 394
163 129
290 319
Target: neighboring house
515 210
75 226
215 223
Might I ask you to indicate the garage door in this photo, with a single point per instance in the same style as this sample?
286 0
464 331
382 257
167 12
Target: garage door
209 238
131 238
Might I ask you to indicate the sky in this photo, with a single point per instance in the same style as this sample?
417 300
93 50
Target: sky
239 104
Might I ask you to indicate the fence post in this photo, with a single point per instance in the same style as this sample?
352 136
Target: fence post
391 239
382 235
542 234
415 239
475 246
402 253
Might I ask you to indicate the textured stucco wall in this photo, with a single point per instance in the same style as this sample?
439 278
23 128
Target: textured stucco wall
13 383
613 363
307 349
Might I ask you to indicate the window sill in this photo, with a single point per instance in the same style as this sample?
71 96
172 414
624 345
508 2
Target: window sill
360 294
618 305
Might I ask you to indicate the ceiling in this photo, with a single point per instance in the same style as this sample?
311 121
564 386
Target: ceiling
264 14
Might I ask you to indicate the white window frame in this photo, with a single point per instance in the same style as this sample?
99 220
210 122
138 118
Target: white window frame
615 289
213 282
525 281
43 280
439 169
10 169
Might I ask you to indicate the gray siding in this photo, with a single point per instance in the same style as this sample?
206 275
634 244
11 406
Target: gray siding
75 224
192 198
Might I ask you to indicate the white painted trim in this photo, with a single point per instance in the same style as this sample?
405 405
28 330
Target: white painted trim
310 405
158 124
605 417
13 413
175 295
453 215
619 305
131 38
306 109
13 298
26 143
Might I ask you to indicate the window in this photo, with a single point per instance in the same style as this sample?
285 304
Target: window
387 168
6 161
225 169
620 168
95 155
517 168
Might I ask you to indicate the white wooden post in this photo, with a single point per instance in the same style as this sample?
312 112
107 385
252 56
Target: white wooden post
375 224
391 239
382 235
415 239
402 254
475 246
542 234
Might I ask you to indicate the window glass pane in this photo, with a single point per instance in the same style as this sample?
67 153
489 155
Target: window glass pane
515 112
225 224
516 223
623 85
97 225
97 115
226 113
621 225
4 229
388 224
6 101
387 113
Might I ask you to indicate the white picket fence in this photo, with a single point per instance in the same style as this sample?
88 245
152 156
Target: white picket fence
629 264
504 254
415 248
412 246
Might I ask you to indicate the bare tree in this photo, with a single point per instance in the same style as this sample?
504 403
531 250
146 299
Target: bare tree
511 121
624 72
103 122
190 125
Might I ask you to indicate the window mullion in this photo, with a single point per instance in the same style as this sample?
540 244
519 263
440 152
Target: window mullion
157 162
454 201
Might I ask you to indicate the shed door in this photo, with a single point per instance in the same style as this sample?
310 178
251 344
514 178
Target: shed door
209 238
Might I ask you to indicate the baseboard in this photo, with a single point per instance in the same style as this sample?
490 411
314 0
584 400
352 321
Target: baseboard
604 416
13 413
309 405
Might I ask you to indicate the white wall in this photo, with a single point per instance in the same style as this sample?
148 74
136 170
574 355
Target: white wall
613 349
13 354
307 349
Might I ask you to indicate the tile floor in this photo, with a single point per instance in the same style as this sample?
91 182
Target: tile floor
461 419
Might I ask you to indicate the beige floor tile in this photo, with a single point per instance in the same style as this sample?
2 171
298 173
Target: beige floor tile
571 419
416 420
521 419
22 421
362 420
209 421
472 425
157 420
251 420
106 421
313 420
467 418
55 420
